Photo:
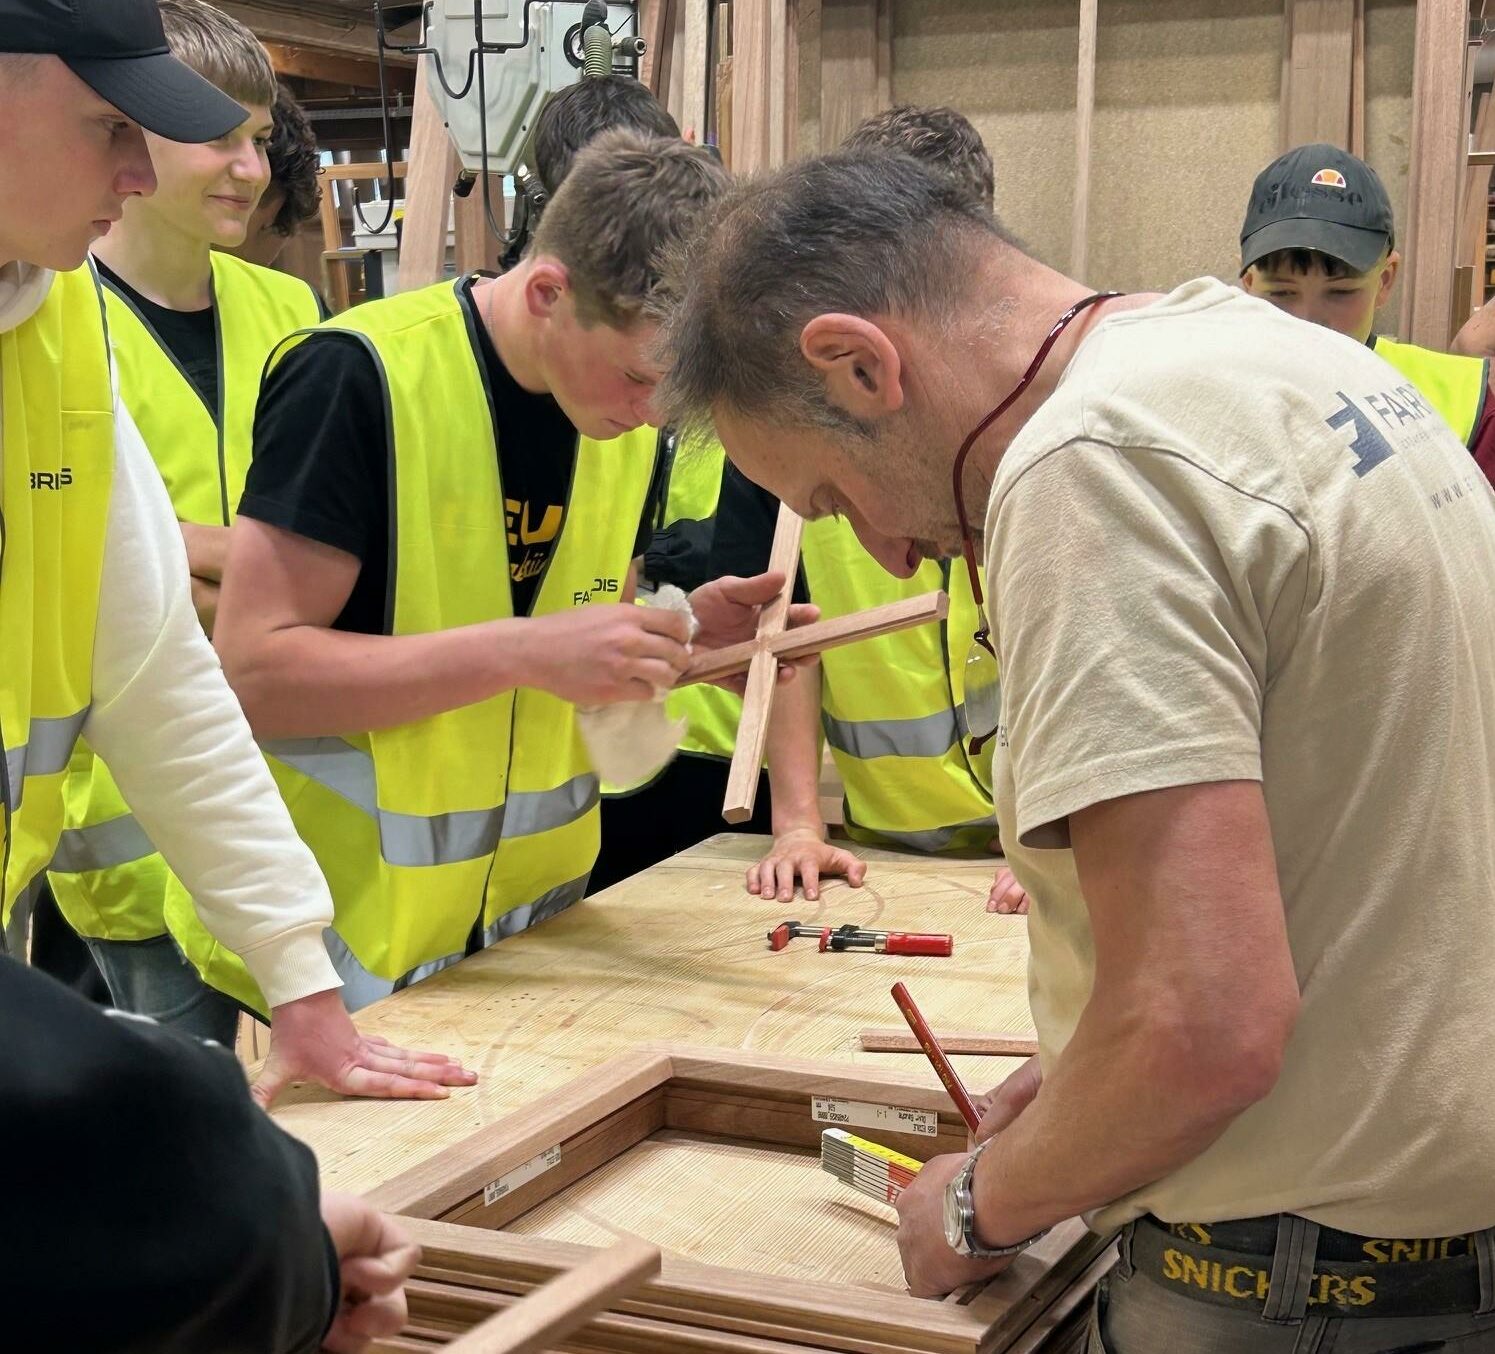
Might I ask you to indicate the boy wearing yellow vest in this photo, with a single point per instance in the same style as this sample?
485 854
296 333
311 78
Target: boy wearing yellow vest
98 635
1318 242
294 196
681 804
891 708
191 329
447 491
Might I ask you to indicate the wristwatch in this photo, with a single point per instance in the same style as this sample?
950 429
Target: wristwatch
960 1216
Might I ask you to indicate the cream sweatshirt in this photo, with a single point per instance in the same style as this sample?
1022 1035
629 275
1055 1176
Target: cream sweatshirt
166 722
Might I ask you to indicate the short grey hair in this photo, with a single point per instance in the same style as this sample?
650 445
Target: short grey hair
864 232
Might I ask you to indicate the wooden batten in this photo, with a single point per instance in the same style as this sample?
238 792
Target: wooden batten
428 191
753 30
692 60
1475 218
654 27
763 670
1079 238
852 62
538 1322
1437 171
1319 75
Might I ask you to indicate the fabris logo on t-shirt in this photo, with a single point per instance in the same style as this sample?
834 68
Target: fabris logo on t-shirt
601 588
52 479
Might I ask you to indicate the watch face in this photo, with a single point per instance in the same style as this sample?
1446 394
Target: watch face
953 1230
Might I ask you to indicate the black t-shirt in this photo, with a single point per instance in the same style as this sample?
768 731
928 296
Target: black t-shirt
746 515
320 465
190 337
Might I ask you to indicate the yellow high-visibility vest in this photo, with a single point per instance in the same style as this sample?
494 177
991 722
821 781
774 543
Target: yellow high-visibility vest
57 449
109 881
475 823
893 707
1454 385
711 713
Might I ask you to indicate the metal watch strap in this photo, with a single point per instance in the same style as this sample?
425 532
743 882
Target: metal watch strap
965 1201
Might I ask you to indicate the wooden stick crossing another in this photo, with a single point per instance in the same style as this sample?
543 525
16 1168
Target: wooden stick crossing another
988 1045
713 664
553 1311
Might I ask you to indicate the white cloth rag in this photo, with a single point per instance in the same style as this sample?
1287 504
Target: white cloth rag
632 741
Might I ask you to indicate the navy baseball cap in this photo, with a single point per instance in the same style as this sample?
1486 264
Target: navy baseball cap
118 49
1318 197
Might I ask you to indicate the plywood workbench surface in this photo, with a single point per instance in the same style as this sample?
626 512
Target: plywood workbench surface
677 953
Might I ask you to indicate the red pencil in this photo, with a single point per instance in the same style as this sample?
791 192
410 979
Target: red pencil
936 1056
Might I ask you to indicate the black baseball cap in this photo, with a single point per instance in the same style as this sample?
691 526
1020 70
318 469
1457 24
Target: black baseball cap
1318 197
118 49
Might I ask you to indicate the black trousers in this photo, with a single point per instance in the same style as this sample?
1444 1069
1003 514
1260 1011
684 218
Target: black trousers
57 951
681 808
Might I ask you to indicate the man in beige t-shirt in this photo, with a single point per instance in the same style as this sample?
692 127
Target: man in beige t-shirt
1240 582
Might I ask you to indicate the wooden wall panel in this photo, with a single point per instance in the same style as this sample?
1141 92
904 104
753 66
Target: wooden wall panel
1188 103
1010 68
1187 107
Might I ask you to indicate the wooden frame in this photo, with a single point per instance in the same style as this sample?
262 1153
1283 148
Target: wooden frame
468 1271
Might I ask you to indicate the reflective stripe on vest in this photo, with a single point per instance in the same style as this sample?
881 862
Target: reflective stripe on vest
107 877
891 707
57 452
1454 385
361 988
45 753
442 833
438 839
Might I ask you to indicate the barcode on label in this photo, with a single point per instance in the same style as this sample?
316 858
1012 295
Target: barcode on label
495 1190
864 1115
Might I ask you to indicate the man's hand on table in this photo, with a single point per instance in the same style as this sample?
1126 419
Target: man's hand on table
314 1039
802 853
1007 896
375 1258
930 1267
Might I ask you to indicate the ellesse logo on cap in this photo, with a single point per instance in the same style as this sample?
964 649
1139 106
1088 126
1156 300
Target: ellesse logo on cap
1329 178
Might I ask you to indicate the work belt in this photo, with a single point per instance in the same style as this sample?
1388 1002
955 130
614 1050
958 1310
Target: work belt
1282 1267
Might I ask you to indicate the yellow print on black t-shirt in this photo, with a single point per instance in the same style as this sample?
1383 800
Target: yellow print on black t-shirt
536 538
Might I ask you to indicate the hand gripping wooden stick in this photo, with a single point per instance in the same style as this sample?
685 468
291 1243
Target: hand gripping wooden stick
711 665
760 657
555 1310
936 1056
